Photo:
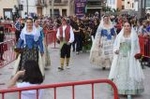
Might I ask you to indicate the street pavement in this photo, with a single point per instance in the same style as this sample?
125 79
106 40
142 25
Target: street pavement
80 69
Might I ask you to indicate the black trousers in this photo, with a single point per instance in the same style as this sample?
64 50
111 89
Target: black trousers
65 51
77 44
17 34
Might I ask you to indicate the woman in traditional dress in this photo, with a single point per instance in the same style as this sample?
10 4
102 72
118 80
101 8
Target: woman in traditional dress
46 56
102 49
30 47
126 71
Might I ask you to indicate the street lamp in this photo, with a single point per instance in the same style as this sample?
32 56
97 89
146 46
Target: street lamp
27 6
52 8
13 12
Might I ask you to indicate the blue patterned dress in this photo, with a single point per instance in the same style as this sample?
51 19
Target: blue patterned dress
31 46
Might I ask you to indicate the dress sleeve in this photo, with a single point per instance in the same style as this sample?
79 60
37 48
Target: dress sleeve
20 42
71 35
40 44
113 32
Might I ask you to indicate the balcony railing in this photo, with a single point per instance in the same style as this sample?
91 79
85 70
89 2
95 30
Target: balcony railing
59 2
41 3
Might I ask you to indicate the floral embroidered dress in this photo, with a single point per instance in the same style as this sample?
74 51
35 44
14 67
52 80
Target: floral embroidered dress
124 83
102 48
106 42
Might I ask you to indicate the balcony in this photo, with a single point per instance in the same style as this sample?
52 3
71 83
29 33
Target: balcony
41 3
59 2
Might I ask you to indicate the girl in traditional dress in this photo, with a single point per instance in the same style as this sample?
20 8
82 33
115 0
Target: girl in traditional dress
30 47
126 71
102 48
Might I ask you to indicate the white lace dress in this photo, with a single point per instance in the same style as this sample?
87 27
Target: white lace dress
124 83
101 53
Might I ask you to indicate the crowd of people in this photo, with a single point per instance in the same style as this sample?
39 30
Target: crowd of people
113 42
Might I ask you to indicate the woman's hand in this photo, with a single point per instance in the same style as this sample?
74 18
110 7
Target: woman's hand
68 43
14 79
20 73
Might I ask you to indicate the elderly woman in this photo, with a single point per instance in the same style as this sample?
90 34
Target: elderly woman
30 46
126 71
102 49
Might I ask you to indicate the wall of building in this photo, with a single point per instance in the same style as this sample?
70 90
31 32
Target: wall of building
7 4
68 6
119 4
112 4
129 4
31 7
148 4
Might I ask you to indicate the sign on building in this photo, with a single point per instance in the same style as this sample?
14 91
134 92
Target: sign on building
80 7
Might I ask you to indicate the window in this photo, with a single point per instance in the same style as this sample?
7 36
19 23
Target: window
56 12
57 1
122 6
128 2
132 5
147 3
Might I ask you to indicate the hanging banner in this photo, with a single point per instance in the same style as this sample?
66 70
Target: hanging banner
80 7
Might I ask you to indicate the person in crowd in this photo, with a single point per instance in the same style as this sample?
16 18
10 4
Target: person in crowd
143 31
102 48
30 47
46 56
77 42
126 71
19 26
66 36
94 28
2 37
31 76
118 26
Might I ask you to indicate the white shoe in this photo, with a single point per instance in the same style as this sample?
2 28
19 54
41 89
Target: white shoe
68 67
77 53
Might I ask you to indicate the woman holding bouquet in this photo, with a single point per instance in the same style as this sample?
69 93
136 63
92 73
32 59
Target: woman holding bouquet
126 71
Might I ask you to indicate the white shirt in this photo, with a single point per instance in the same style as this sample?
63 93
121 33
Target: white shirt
30 94
71 39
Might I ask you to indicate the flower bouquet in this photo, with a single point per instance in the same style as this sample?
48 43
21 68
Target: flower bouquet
18 50
138 56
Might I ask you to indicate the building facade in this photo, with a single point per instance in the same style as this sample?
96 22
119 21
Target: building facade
94 6
120 4
112 4
46 7
148 6
31 7
60 8
8 8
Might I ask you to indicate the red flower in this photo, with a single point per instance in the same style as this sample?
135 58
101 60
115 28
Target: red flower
138 55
